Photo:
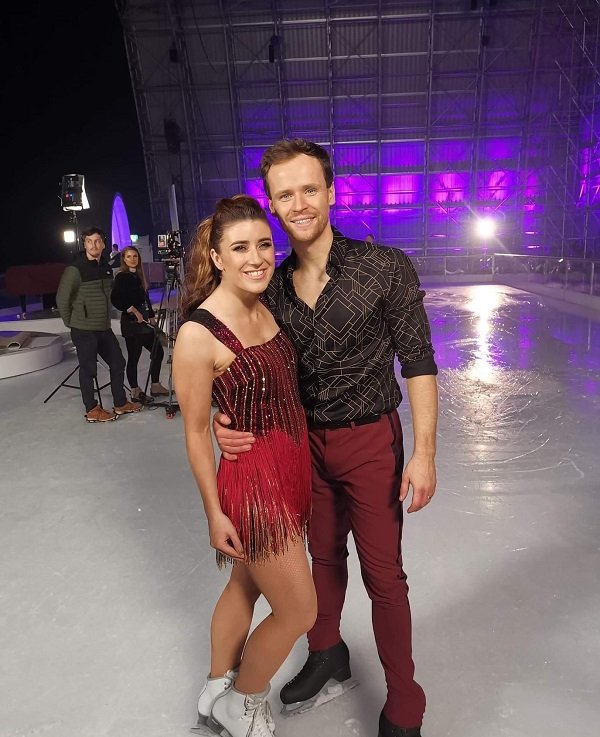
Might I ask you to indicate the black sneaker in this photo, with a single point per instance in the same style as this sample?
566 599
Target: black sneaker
387 729
320 667
142 398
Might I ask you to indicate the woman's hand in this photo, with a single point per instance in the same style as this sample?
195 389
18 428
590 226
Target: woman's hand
152 321
223 536
136 313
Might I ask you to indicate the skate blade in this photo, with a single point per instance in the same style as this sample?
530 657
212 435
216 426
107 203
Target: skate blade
330 691
210 727
201 727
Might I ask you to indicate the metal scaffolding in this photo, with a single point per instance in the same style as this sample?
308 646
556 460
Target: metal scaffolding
434 113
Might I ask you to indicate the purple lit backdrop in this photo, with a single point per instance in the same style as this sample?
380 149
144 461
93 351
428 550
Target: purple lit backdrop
424 195
120 231
406 197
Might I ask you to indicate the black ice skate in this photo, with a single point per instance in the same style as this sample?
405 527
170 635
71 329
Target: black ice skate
325 676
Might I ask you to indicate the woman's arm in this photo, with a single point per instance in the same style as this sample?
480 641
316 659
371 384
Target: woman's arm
151 313
193 373
125 294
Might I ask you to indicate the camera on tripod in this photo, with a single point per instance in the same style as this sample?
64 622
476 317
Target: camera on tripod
169 246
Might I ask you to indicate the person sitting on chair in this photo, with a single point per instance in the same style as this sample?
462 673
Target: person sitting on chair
138 322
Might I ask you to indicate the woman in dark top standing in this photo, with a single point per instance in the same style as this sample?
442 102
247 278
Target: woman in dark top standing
130 295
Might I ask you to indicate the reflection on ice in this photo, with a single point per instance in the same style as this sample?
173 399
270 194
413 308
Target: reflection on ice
513 376
110 580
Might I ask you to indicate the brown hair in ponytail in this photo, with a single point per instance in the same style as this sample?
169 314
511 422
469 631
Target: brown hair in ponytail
201 275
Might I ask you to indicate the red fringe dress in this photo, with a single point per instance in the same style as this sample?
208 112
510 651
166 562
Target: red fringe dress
266 493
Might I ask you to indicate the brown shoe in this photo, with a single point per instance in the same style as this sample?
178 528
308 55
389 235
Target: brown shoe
98 414
127 408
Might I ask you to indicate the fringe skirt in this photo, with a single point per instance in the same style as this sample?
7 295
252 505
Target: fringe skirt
266 494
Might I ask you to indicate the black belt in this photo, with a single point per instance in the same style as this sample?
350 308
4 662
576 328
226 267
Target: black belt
366 420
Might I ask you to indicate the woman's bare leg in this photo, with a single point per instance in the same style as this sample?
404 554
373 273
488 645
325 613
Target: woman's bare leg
286 582
231 621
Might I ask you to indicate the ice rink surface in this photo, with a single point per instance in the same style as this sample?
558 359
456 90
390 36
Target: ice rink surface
108 581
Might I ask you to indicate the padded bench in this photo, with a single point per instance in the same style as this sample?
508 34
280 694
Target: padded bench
33 280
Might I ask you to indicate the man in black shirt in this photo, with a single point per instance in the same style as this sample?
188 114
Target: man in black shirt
350 308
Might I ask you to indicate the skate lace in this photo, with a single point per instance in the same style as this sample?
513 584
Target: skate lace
262 724
314 660
229 677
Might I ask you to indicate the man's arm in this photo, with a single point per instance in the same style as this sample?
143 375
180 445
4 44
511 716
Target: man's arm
420 469
409 327
65 294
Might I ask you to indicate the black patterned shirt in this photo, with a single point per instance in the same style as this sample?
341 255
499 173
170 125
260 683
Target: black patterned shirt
370 310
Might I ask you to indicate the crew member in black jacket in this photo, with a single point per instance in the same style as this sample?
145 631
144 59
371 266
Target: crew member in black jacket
83 300
130 295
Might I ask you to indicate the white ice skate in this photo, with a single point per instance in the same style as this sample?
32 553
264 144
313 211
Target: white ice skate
236 714
213 688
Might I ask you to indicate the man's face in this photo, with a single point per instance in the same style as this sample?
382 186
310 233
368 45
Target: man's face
300 198
93 246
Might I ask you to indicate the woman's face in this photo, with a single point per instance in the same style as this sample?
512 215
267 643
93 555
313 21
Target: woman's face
130 259
246 256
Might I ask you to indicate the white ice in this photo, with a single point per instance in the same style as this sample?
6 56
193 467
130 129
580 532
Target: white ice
108 581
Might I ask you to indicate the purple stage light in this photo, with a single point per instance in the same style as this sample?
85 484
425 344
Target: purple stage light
120 233
254 188
401 189
356 191
252 158
448 187
496 185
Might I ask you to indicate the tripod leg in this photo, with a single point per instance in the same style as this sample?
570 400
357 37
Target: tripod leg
62 383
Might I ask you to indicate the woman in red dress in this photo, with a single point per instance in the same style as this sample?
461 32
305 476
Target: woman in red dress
230 351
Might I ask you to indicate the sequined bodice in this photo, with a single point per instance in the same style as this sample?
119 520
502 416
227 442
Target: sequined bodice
259 390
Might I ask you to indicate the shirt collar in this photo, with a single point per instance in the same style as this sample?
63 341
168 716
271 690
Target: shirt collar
335 262
337 254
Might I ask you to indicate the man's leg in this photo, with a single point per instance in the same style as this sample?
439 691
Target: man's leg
375 461
327 537
328 657
110 352
86 345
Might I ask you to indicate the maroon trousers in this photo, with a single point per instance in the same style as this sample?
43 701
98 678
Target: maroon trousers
356 475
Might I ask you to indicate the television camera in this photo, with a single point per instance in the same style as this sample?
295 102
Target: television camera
168 246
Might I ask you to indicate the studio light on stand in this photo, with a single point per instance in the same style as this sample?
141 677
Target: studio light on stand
73 199
485 229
